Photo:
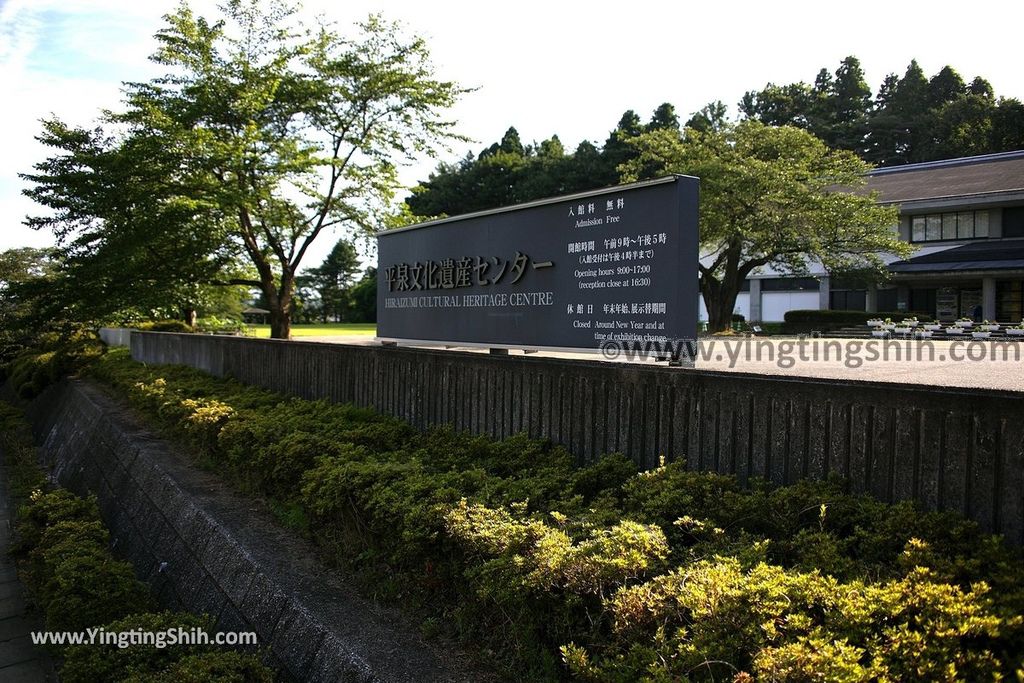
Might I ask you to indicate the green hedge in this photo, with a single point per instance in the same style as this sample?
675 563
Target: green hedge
77 584
602 572
848 317
54 356
163 326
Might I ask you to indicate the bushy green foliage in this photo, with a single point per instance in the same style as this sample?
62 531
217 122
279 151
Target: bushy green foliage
74 578
847 317
163 326
23 473
222 666
221 325
51 357
602 572
45 510
713 615
175 663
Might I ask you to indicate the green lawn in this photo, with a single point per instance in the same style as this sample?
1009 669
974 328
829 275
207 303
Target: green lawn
318 330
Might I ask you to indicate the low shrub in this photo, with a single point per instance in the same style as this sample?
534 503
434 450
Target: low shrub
848 317
53 356
223 666
602 572
23 473
717 618
226 325
174 663
163 326
75 580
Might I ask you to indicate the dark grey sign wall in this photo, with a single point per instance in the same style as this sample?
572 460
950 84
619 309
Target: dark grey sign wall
618 264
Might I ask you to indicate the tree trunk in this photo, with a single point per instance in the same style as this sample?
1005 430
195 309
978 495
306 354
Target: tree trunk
188 315
720 300
280 304
280 323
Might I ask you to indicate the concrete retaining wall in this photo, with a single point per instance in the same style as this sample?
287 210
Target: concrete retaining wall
948 448
205 550
116 336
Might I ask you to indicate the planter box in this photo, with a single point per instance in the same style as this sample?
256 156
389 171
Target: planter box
890 326
1015 332
875 322
879 333
923 334
964 323
954 330
909 323
991 328
933 327
903 330
981 335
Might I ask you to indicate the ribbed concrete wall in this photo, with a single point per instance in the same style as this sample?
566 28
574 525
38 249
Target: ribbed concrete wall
949 448
116 336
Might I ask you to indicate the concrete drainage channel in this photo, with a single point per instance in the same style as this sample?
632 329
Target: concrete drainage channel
206 550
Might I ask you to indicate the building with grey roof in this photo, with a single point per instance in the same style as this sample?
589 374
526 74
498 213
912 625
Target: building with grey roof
965 217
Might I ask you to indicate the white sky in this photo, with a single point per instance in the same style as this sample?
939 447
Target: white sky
568 67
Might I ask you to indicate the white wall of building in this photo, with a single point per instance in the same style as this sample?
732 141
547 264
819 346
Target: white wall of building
742 306
775 304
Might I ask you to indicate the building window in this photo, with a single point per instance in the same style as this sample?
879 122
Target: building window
847 299
789 284
1010 301
887 299
963 225
1013 222
923 301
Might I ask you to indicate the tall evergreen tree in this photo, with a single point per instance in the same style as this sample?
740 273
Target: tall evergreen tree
945 87
617 150
332 280
712 116
779 105
664 117
848 107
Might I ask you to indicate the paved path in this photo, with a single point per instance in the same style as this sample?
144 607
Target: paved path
972 364
20 661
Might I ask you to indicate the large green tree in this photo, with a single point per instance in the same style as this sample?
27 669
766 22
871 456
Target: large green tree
26 279
771 196
279 132
136 238
364 298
